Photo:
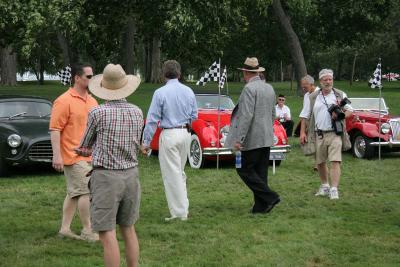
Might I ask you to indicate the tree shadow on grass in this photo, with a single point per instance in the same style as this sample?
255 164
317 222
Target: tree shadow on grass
40 169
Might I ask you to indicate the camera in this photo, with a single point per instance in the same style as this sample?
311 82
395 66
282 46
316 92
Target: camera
337 123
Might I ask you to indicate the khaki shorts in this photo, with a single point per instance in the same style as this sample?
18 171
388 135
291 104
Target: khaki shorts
77 182
115 198
328 148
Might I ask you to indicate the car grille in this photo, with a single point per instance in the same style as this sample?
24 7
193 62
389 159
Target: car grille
41 151
395 124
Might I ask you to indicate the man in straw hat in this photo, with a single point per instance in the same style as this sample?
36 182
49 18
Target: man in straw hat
112 137
321 132
252 133
173 108
67 125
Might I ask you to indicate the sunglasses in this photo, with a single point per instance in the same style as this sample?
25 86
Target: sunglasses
281 99
89 76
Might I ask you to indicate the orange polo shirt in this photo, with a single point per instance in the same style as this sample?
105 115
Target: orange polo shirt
69 116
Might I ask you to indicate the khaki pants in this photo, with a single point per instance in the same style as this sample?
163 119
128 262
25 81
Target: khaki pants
173 153
76 179
328 148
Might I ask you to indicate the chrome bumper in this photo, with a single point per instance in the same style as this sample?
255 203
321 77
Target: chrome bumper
387 143
213 151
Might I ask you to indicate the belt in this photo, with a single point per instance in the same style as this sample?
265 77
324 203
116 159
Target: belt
178 127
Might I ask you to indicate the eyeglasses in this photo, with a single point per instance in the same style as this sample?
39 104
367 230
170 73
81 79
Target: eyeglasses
89 76
281 99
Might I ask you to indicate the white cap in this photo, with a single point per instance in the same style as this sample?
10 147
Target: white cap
325 72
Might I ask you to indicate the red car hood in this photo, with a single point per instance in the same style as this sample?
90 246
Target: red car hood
212 116
371 116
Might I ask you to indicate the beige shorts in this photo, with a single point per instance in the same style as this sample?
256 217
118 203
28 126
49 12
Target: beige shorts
77 182
328 148
115 198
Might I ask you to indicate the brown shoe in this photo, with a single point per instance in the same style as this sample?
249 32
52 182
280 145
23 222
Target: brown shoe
70 235
89 236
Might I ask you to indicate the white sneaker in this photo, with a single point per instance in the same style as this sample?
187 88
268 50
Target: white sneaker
323 191
175 218
333 193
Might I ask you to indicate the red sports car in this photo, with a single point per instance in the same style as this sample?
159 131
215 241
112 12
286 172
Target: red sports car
210 130
364 128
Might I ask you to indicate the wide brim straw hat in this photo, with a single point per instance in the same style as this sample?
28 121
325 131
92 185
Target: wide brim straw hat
113 84
251 64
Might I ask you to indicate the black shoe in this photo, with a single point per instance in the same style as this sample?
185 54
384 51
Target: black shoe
267 209
270 207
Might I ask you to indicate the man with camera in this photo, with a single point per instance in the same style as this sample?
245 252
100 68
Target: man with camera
327 109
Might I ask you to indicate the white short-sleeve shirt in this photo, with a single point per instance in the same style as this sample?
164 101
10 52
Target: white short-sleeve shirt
281 112
323 119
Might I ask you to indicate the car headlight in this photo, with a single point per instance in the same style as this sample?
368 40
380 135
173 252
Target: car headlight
275 140
385 128
14 140
224 133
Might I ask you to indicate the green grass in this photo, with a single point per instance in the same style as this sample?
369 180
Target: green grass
361 229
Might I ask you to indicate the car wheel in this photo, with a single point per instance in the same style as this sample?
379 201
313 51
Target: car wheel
362 148
196 159
3 168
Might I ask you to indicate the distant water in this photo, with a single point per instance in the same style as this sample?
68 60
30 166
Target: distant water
28 76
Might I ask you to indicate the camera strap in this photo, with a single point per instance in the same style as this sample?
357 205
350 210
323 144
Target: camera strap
336 96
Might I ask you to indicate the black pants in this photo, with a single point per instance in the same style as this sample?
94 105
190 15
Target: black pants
254 173
288 125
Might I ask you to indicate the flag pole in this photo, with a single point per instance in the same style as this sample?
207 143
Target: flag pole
218 114
226 81
379 118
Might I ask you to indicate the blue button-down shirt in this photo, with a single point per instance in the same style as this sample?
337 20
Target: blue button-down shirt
173 105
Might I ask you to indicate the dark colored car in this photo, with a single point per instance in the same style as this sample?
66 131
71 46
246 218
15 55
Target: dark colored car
24 131
370 122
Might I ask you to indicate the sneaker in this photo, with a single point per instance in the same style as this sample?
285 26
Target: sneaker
175 218
69 234
334 193
323 191
89 236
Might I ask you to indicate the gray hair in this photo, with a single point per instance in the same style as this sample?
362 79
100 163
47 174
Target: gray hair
325 72
171 69
308 78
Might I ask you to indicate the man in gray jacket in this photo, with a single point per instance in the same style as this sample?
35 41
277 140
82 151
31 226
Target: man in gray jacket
252 133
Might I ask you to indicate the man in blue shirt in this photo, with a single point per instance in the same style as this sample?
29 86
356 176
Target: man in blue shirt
173 108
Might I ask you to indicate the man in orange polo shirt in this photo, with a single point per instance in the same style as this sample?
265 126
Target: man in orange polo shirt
67 125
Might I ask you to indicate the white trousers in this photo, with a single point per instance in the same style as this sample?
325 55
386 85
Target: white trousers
173 153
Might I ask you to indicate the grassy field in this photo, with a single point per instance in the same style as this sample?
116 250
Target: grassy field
361 229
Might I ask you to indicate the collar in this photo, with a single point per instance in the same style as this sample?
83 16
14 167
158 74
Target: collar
172 81
122 100
255 78
74 93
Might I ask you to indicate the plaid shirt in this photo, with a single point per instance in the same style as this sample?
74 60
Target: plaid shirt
113 132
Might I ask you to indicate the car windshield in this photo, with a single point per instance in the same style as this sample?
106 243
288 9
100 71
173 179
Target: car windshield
211 102
24 109
368 104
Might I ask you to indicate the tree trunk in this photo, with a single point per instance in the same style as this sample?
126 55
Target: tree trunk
66 51
128 51
294 45
8 66
156 60
353 68
339 69
147 62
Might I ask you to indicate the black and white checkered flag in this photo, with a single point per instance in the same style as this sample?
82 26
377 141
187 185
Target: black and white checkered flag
223 79
65 75
213 73
375 81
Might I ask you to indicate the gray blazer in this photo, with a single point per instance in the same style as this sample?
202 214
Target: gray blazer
253 117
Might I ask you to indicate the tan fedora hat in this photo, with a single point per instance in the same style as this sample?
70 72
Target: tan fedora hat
113 84
251 64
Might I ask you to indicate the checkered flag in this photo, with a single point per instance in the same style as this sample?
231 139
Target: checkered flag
375 81
223 79
213 73
65 75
